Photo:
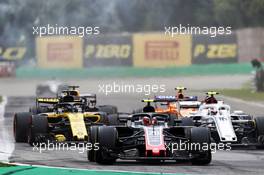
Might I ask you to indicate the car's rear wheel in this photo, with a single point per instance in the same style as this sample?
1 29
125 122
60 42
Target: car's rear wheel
259 121
38 129
20 126
107 137
200 136
93 140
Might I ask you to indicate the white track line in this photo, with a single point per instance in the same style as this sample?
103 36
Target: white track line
83 169
6 142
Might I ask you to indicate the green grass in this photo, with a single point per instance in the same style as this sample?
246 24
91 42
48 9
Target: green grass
32 170
244 94
1 98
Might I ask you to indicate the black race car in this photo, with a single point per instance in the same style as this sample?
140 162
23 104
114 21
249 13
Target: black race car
148 137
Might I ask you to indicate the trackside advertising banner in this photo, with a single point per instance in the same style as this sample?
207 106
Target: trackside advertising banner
7 69
59 52
158 50
108 50
221 49
12 51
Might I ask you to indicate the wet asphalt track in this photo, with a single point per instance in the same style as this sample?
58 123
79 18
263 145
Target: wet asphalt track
224 162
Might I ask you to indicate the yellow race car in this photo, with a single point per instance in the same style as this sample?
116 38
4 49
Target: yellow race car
61 122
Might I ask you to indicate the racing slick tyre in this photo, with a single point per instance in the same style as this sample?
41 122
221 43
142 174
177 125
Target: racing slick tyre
38 129
187 122
109 109
20 126
201 136
93 140
107 137
259 121
113 119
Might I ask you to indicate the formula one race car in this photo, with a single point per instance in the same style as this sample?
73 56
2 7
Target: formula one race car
147 137
236 128
177 105
66 118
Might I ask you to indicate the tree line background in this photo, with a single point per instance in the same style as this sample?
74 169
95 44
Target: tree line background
17 17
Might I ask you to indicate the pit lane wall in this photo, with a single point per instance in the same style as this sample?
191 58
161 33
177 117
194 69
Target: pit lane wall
142 50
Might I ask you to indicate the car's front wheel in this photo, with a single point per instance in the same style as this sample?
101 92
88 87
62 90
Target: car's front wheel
38 129
20 126
107 138
200 137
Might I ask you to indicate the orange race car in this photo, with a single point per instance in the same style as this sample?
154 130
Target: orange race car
178 105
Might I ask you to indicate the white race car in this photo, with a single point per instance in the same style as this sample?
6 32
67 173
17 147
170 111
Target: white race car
236 128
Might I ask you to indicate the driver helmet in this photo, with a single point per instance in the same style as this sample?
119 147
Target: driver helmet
210 100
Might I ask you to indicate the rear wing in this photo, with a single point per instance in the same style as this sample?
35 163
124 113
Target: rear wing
180 88
72 87
174 99
212 93
148 100
162 98
88 95
47 100
190 104
50 100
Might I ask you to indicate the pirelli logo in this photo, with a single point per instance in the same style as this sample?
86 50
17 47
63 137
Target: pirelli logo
60 51
161 50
